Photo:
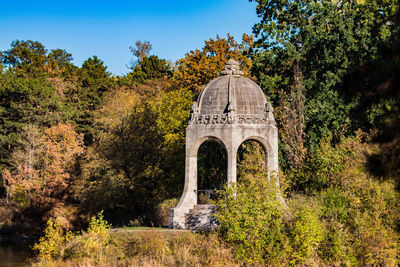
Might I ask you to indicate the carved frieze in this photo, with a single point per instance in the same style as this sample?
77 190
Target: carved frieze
228 118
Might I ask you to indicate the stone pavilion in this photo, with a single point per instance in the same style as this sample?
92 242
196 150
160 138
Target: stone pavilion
230 110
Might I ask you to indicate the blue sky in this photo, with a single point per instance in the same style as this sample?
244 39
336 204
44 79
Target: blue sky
107 28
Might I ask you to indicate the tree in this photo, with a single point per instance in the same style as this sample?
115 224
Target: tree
24 102
42 168
377 82
93 81
93 73
141 50
326 39
140 156
28 57
150 68
291 114
201 66
59 61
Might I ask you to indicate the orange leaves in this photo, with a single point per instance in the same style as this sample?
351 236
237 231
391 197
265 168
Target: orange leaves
200 66
42 175
63 143
62 146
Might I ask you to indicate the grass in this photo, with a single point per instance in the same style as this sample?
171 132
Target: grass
150 247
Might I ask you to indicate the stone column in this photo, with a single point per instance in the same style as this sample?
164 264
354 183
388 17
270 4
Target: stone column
231 172
189 197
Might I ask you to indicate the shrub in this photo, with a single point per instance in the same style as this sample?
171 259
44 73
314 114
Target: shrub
93 244
163 211
51 245
57 243
250 216
375 243
335 205
336 247
306 233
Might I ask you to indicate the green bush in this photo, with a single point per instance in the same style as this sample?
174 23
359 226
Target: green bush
306 233
163 210
338 213
250 215
336 247
335 204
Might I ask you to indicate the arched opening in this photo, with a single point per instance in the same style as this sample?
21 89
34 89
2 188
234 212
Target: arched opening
251 160
211 170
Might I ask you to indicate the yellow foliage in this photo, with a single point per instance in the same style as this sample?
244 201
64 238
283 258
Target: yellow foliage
50 246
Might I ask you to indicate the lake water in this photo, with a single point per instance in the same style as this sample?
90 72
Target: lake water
15 253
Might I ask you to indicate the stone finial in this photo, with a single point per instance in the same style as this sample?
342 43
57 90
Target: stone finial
231 68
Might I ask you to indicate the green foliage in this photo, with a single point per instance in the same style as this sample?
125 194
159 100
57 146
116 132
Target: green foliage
149 247
94 74
150 68
322 168
147 67
377 81
306 234
28 57
335 205
139 162
250 216
132 166
57 244
336 246
252 160
31 59
24 102
326 39
94 81
94 244
345 217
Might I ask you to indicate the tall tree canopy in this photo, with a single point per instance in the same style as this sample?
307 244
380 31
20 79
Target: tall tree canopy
324 40
147 67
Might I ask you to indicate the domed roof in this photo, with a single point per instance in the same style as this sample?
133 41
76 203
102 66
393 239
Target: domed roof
231 92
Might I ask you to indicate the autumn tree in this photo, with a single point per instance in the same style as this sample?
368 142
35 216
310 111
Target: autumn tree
201 66
292 121
42 168
140 155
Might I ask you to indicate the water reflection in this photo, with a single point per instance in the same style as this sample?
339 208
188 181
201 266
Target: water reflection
15 253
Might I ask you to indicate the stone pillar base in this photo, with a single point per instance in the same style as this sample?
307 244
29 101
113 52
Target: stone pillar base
177 218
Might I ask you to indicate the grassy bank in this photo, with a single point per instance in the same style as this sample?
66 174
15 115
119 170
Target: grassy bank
144 248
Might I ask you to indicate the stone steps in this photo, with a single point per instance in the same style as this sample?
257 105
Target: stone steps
200 217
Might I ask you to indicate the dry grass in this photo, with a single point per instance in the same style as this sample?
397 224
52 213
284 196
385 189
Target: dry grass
158 248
